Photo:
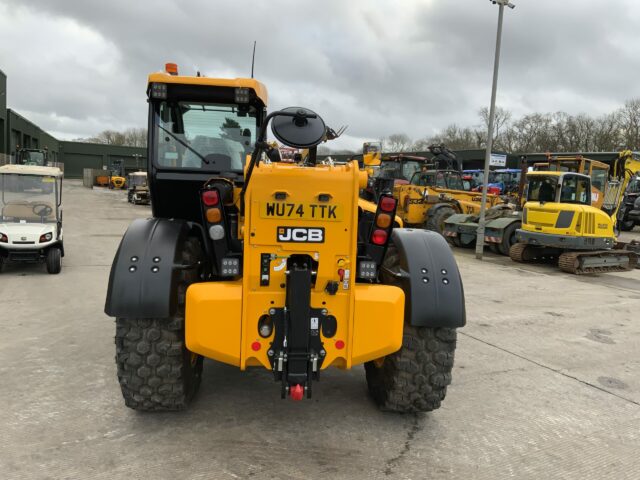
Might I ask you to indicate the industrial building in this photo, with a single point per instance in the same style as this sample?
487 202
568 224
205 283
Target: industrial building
17 132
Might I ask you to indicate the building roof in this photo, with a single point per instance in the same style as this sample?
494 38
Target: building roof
31 170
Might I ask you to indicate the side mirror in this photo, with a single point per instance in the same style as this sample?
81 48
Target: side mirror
246 133
298 127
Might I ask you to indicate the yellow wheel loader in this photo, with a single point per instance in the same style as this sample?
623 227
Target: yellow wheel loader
560 223
259 263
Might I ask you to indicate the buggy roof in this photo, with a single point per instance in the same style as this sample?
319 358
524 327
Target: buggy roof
31 170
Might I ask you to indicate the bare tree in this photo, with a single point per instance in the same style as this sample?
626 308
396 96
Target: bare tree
397 142
630 123
500 123
457 138
132 137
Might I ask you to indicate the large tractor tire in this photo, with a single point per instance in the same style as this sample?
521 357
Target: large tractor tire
435 221
415 378
509 238
156 372
626 225
54 260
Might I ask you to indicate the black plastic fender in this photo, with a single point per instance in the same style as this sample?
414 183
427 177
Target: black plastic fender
434 295
146 269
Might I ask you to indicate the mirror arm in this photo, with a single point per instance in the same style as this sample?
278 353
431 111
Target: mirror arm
260 146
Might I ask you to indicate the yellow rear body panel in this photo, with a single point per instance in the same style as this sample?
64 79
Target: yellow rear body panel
214 326
222 317
213 313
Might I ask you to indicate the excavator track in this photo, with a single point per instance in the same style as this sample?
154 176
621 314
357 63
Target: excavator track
598 261
517 253
524 253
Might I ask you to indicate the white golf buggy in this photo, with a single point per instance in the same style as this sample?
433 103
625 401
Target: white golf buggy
31 216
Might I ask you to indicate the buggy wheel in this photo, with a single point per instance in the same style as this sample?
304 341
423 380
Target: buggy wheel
415 378
156 372
54 260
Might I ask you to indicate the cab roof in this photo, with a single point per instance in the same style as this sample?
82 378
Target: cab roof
31 170
252 83
553 173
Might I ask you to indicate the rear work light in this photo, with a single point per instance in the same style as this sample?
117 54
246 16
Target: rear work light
367 269
242 95
230 266
159 91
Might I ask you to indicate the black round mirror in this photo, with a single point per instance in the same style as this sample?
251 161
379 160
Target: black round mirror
301 128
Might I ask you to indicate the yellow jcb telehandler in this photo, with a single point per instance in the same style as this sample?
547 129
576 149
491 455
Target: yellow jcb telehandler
428 191
274 265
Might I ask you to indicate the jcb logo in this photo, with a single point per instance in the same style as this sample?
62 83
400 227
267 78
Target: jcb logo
301 235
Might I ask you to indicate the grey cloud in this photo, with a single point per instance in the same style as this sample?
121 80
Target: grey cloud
381 67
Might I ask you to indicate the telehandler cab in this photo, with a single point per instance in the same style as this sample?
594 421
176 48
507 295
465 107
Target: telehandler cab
272 264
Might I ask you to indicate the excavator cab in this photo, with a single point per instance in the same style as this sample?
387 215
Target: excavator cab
560 222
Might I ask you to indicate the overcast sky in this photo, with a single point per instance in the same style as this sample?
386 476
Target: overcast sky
413 66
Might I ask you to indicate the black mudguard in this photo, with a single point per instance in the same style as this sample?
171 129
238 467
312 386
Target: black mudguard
146 269
434 295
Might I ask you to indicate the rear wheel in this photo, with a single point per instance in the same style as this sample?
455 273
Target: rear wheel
156 372
627 225
415 378
508 238
435 221
54 260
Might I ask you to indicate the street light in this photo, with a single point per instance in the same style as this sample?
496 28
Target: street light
492 114
137 156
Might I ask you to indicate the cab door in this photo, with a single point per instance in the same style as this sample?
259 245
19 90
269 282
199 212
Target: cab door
599 175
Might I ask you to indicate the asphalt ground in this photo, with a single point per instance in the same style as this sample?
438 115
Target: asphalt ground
546 384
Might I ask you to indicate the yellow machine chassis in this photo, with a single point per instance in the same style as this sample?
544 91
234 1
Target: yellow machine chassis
222 317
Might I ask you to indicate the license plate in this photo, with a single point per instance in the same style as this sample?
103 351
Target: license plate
301 211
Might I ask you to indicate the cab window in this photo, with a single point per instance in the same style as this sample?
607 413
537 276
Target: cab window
599 178
575 189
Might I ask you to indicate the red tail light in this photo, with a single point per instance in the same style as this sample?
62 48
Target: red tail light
387 204
210 198
379 237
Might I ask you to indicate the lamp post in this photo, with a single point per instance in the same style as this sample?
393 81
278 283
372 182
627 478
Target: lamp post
492 113
137 156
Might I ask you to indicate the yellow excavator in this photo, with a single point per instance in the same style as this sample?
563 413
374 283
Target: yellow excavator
559 220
